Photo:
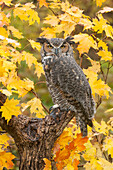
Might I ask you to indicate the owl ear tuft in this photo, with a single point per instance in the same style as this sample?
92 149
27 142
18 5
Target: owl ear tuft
42 40
68 39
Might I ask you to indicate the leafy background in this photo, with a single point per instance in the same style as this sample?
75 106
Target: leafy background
90 9
24 21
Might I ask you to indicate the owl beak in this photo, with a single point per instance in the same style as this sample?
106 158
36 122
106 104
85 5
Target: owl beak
56 51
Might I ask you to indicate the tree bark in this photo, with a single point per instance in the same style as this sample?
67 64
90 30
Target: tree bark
35 137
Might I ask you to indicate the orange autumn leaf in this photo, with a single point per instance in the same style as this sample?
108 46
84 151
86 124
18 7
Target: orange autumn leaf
6 160
62 155
71 146
75 164
60 165
65 154
64 138
79 142
42 3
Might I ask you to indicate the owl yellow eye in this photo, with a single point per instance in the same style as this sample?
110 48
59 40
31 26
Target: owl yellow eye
49 46
63 46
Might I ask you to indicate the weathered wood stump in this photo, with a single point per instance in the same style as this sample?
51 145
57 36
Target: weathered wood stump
35 137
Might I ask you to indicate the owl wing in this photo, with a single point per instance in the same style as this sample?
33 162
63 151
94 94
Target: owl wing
74 85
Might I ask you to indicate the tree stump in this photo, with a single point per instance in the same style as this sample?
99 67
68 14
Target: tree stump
35 137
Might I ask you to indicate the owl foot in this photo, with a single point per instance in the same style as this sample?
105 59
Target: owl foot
55 112
56 106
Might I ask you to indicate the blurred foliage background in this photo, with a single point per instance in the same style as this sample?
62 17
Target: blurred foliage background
33 31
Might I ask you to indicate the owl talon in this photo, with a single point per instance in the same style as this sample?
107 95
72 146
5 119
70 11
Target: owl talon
54 107
54 112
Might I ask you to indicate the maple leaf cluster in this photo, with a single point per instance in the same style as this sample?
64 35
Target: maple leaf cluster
70 149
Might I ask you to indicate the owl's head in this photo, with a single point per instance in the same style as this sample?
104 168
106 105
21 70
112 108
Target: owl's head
56 46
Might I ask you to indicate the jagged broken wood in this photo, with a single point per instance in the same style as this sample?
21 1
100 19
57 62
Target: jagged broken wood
35 137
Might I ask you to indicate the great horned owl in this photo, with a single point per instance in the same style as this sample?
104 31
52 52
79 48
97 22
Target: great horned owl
66 81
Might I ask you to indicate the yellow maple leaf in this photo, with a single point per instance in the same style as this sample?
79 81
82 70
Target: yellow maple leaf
69 166
108 145
35 107
14 43
29 58
85 42
101 127
52 20
105 55
85 22
47 164
42 3
65 5
48 32
93 165
39 69
90 152
6 160
10 108
4 19
15 32
26 13
3 72
8 65
67 27
101 25
16 85
5 50
7 2
3 32
4 140
97 85
16 56
99 2
35 45
105 164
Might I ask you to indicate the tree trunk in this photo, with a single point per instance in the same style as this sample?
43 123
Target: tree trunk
35 137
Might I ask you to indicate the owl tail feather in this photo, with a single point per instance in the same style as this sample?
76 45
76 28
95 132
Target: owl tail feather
83 125
89 122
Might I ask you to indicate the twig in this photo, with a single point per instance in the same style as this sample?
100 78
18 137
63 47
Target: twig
1 102
107 72
81 165
3 132
102 72
53 12
99 101
81 60
25 46
41 102
2 7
